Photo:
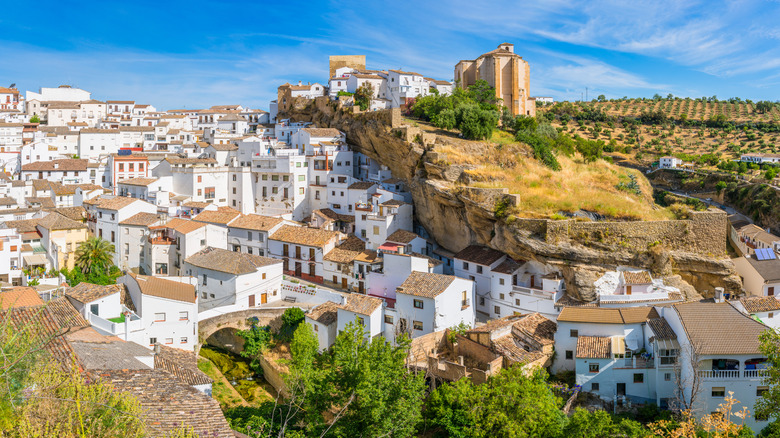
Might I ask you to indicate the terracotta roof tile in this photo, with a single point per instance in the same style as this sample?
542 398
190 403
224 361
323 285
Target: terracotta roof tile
222 216
181 363
19 297
637 277
56 221
760 304
141 219
231 262
594 347
184 226
425 284
661 328
143 182
362 304
322 132
402 236
57 165
602 315
481 255
719 328
162 288
87 292
325 313
304 235
255 222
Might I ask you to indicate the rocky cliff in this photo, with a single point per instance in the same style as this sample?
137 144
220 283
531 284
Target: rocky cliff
690 253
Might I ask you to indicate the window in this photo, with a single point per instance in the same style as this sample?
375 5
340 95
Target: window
574 333
593 368
569 355
376 230
234 177
760 390
121 167
466 266
479 269
418 325
316 327
183 340
501 296
639 378
668 357
667 377
361 321
501 281
481 301
265 177
184 316
94 309
169 341
159 317
418 304
594 386
301 177
719 391
388 319
497 310
152 341
210 193
205 280
200 178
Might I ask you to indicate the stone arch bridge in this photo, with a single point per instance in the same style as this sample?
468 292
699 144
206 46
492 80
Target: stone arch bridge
232 321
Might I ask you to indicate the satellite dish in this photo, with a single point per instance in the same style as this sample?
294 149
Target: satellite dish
12 85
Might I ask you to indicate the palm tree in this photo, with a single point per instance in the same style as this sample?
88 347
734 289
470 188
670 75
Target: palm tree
94 255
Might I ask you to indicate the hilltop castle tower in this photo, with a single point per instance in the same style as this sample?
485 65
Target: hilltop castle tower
504 70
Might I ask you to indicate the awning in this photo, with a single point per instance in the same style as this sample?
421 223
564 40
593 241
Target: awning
618 345
35 260
668 344
387 246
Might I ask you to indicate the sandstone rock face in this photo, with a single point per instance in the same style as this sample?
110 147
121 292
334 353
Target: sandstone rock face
690 253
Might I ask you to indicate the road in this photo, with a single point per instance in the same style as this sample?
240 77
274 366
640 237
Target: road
726 208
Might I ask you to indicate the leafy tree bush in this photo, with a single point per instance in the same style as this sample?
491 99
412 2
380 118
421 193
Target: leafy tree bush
509 404
363 95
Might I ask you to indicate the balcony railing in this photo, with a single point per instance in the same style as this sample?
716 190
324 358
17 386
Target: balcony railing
731 374
532 291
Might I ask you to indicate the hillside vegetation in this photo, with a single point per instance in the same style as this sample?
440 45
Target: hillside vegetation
705 131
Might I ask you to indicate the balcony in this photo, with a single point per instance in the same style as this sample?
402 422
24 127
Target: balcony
732 374
532 292
161 240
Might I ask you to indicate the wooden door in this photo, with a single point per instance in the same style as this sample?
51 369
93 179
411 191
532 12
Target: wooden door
343 283
286 250
263 298
770 291
533 281
361 287
251 301
297 252
297 269
628 290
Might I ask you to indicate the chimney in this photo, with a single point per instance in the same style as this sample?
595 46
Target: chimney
719 294
400 250
156 348
460 360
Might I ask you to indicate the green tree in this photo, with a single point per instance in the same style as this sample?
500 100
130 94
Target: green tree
94 255
35 119
291 318
598 424
769 404
363 95
474 122
370 378
720 186
445 119
485 95
509 404
256 341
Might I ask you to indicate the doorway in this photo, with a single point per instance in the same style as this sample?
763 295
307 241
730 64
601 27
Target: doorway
621 389
263 298
251 301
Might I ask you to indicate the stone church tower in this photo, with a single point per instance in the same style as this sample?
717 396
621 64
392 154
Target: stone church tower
504 70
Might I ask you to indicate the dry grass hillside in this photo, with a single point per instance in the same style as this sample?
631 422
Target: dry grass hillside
545 193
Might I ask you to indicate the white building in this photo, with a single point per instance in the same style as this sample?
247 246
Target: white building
168 311
229 278
669 162
303 250
249 233
428 302
105 216
759 158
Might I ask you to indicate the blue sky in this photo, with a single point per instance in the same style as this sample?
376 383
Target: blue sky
196 54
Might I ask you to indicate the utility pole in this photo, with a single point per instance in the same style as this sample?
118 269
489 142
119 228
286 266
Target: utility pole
586 94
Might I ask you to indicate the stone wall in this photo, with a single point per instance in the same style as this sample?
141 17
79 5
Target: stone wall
273 374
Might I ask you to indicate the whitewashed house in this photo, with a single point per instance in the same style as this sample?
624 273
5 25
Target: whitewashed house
168 311
302 250
229 278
